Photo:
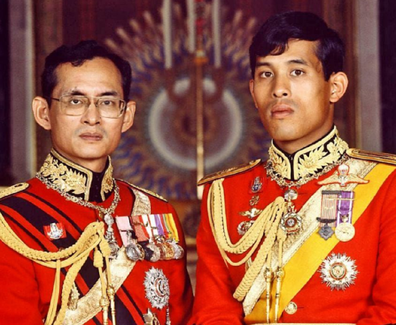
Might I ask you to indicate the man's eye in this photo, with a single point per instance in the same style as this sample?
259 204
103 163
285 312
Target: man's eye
107 102
266 74
297 73
75 101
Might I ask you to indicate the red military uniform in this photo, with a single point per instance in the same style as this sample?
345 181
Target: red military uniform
322 280
47 220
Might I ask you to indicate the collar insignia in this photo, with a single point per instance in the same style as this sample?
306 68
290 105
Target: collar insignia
71 178
310 160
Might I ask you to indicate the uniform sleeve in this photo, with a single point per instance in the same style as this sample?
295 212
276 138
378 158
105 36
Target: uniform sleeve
19 299
383 308
181 298
214 303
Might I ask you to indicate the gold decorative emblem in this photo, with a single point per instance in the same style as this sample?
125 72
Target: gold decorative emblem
63 177
107 182
342 177
338 271
156 286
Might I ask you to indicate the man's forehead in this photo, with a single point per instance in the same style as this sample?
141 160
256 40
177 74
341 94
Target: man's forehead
296 51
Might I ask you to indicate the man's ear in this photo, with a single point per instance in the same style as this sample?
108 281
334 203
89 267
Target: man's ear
129 116
338 86
40 110
251 88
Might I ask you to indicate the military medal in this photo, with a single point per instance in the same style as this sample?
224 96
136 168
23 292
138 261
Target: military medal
133 250
338 271
257 185
157 290
55 231
109 235
244 226
171 235
337 212
345 231
291 222
325 231
329 214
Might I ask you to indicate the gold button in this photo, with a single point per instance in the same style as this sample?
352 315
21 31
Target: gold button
291 308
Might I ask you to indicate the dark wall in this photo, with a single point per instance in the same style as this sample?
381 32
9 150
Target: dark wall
388 73
4 96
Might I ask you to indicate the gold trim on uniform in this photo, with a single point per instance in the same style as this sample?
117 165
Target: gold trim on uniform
229 172
13 189
71 178
107 182
309 160
146 191
386 158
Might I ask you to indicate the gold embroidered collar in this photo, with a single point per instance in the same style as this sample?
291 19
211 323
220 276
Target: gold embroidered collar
309 161
68 177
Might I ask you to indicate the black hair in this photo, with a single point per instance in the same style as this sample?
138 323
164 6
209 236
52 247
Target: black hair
77 55
274 35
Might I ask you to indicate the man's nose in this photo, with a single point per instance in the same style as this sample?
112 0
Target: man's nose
91 115
281 87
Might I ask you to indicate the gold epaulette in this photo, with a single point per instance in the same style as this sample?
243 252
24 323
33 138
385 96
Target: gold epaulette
13 189
386 158
145 191
229 172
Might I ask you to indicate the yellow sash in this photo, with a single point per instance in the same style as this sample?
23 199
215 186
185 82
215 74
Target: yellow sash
315 249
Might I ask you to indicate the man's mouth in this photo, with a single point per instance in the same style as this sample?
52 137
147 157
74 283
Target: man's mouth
88 136
280 111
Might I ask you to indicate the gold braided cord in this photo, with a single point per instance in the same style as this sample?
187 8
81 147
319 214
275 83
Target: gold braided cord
67 287
254 234
75 255
267 223
265 249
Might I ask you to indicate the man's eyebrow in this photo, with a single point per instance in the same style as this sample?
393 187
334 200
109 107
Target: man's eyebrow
76 92
292 61
109 93
263 64
298 61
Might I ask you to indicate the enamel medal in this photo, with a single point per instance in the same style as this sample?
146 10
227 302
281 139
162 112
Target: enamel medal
338 271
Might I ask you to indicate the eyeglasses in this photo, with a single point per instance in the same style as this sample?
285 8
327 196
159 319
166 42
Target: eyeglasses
76 105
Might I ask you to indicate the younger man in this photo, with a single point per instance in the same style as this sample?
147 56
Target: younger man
308 236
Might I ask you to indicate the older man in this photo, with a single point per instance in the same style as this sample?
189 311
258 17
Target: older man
78 246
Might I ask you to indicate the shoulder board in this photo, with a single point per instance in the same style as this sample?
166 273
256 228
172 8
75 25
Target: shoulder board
386 158
145 191
13 189
229 172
